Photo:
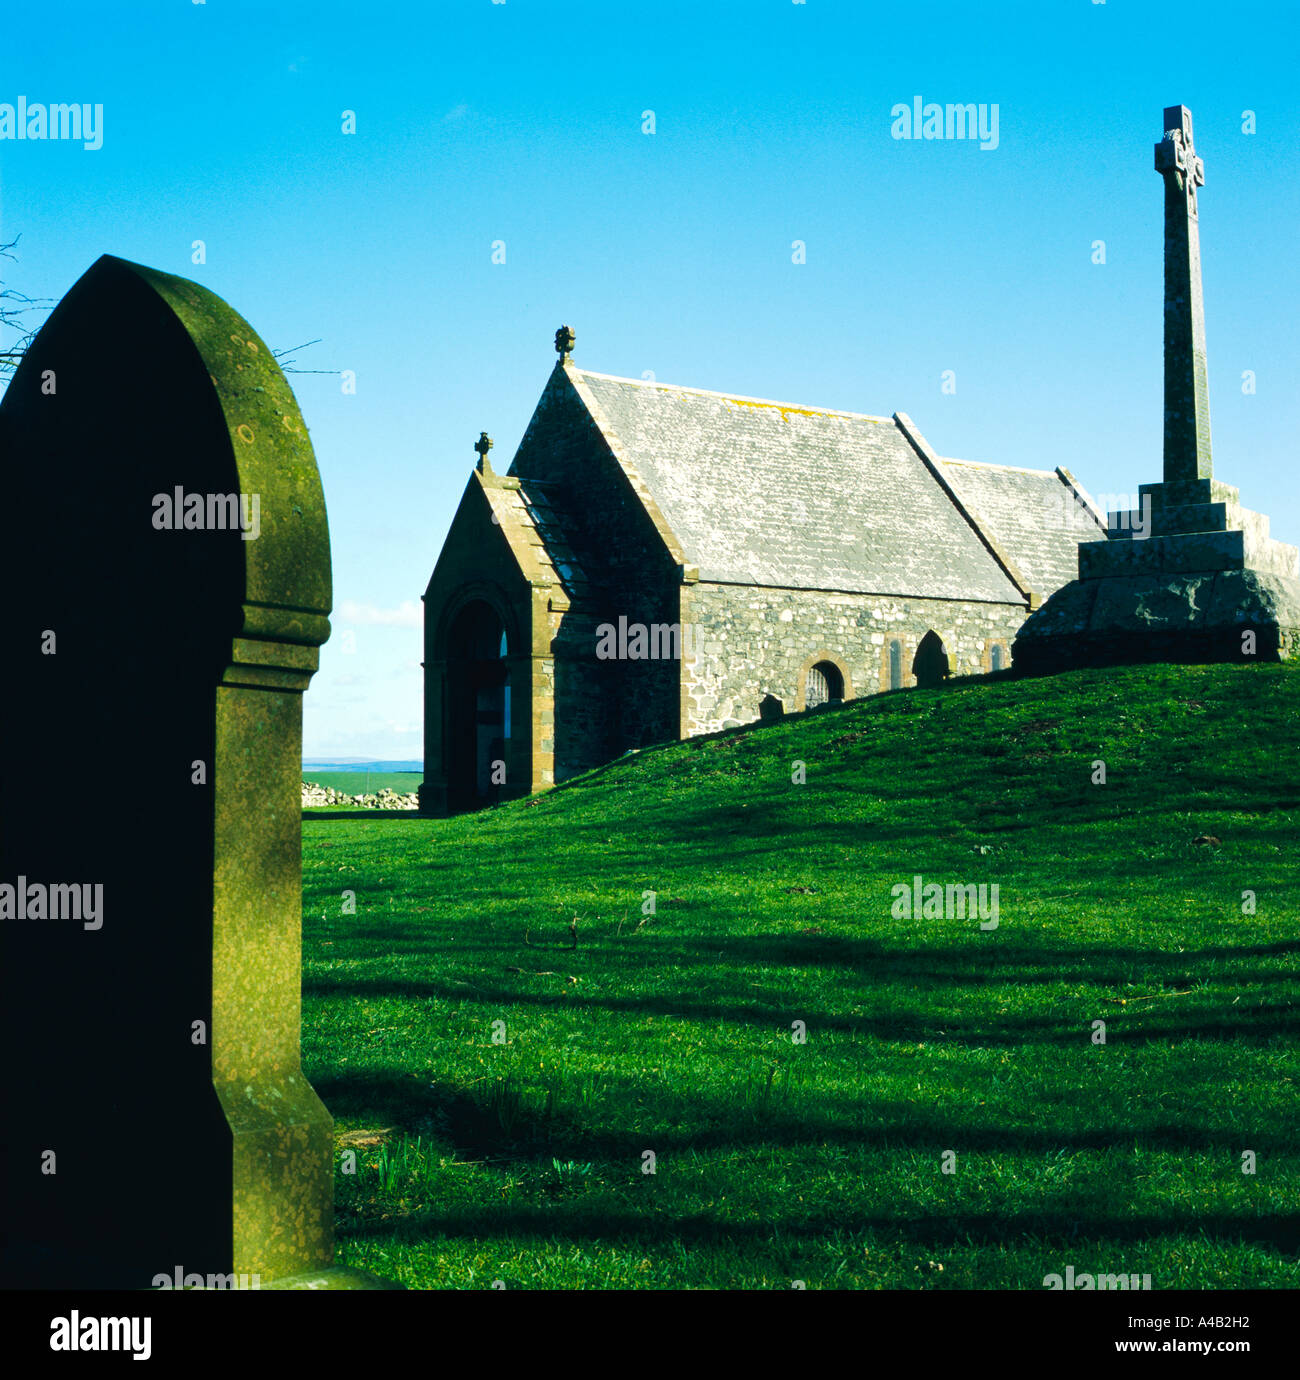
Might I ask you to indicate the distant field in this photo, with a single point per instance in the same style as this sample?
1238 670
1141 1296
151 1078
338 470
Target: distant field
365 782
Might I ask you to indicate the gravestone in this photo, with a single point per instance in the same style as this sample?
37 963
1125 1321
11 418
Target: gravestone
1190 575
167 584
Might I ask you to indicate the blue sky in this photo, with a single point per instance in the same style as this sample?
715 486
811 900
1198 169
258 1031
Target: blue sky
672 252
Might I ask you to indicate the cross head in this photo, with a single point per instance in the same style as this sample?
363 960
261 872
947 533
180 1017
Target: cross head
564 342
483 445
1175 156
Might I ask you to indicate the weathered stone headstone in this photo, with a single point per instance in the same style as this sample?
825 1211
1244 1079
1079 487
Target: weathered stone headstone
1190 575
167 584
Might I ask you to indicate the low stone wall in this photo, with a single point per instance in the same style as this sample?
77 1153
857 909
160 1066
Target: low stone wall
313 797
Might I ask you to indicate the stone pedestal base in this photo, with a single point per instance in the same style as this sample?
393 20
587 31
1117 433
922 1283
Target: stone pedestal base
1191 576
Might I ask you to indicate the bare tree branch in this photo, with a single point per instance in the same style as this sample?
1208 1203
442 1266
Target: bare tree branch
288 365
17 309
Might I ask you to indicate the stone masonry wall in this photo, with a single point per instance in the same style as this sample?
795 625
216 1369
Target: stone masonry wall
583 700
749 641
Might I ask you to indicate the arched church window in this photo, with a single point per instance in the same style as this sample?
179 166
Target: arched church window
999 657
505 690
825 684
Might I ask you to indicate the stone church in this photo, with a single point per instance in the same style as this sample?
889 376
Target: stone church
662 561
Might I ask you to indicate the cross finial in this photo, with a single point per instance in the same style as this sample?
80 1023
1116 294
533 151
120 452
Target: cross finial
483 445
1176 159
564 342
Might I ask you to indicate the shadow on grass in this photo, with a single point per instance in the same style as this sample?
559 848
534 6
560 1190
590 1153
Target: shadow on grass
1071 1228
513 1131
1258 1024
1197 997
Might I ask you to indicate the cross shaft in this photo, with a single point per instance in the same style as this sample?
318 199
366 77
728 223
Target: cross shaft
1187 395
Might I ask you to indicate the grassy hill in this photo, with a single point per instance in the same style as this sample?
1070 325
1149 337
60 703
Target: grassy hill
824 1161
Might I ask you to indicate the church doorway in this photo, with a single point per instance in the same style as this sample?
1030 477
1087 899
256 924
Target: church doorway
478 708
825 685
930 665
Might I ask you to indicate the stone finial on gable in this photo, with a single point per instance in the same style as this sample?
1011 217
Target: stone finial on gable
564 343
483 445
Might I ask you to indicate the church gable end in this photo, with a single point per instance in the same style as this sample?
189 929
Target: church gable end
633 563
479 623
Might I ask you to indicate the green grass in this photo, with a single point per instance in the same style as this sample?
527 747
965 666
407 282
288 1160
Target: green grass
366 783
823 1161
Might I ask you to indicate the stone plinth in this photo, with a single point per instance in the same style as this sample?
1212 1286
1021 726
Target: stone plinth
1183 578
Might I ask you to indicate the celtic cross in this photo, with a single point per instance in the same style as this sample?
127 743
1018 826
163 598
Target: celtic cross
1187 390
483 445
1176 159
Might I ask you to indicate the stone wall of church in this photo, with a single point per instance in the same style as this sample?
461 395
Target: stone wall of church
748 642
579 725
605 706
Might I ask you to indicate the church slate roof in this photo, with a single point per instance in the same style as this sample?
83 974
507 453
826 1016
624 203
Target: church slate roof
1034 514
557 526
540 528
778 495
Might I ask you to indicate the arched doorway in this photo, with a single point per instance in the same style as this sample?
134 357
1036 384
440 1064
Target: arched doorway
478 707
930 665
825 685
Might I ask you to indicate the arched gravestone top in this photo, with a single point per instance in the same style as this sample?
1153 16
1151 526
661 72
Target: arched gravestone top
288 566
150 764
147 367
